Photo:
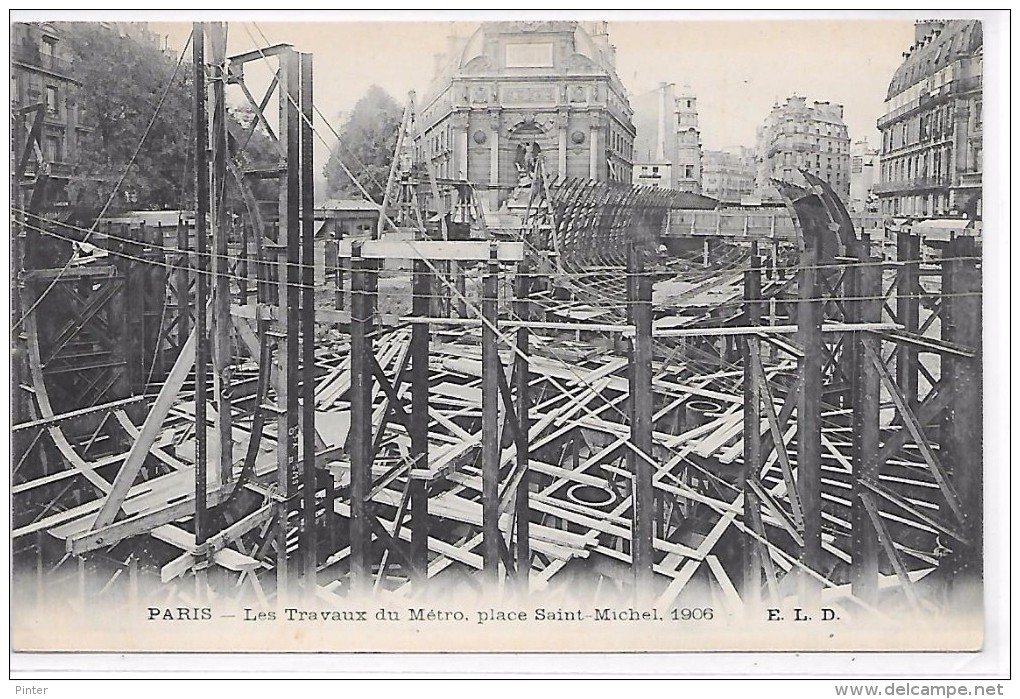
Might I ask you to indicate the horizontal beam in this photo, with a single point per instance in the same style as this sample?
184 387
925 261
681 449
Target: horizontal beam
534 324
771 329
258 54
322 315
470 250
142 523
43 422
70 274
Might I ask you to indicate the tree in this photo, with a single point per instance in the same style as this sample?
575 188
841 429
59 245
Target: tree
366 146
122 81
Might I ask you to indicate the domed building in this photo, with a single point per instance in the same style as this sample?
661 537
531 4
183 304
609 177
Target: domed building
516 88
931 161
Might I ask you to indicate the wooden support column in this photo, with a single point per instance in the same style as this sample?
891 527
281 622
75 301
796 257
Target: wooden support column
201 283
752 432
289 299
221 281
134 313
286 453
459 302
846 363
963 441
809 423
183 278
243 270
343 271
490 421
332 272
360 440
421 290
777 270
908 288
644 511
310 545
438 293
330 513
522 504
866 399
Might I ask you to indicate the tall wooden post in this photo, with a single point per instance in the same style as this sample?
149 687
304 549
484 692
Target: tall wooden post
752 429
243 270
490 422
289 301
308 485
134 290
201 282
183 278
809 424
220 235
964 443
332 272
421 289
361 418
521 384
643 506
457 269
866 399
285 454
908 288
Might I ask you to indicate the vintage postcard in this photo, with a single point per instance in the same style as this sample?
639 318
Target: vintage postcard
488 333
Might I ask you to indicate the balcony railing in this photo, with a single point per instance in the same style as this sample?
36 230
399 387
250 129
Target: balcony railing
970 179
57 169
31 55
956 86
911 184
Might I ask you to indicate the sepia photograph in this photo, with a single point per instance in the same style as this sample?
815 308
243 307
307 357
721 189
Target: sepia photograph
483 332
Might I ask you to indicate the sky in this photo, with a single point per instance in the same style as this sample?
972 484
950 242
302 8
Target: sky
737 69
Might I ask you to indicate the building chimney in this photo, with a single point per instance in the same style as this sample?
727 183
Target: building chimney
925 27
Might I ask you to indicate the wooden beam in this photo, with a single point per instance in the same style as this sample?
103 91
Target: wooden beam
149 431
640 375
360 440
435 250
917 431
491 364
864 570
809 425
522 307
309 486
963 440
421 290
751 350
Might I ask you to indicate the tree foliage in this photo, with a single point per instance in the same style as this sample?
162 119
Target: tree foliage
367 143
122 80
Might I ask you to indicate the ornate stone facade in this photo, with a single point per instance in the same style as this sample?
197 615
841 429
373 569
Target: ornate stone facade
513 84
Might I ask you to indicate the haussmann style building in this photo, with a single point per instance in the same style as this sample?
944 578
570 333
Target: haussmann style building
728 174
799 135
931 130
